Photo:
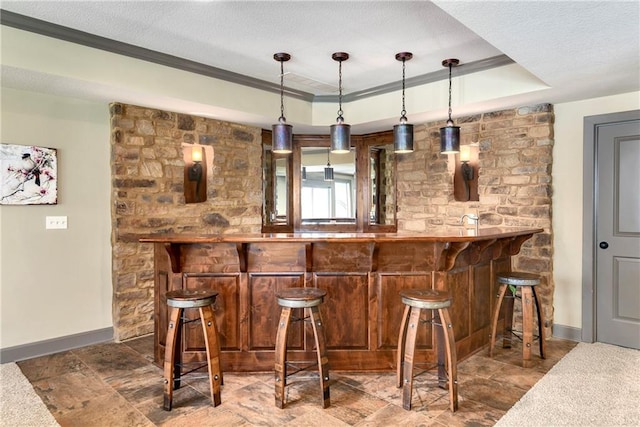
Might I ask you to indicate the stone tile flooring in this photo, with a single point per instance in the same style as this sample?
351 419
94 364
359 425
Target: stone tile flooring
118 385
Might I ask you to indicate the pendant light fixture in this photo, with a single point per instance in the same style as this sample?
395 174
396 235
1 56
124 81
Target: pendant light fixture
403 132
450 134
282 134
340 132
328 171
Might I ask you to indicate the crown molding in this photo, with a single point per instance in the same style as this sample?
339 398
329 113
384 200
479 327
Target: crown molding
60 32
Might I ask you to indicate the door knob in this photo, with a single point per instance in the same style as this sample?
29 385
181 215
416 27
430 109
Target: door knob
603 245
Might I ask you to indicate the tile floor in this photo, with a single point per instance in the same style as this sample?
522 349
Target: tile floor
118 385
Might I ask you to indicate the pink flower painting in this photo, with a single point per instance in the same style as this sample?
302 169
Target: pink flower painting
28 175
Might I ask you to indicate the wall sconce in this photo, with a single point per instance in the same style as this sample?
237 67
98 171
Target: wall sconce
465 177
282 133
450 134
195 175
195 171
340 132
466 169
403 132
328 171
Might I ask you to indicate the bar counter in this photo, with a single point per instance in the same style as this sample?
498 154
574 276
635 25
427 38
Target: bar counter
362 274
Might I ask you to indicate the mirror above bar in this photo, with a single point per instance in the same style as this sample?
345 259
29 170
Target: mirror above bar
327 186
313 190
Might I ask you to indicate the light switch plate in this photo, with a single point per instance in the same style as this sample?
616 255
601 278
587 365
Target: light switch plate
56 222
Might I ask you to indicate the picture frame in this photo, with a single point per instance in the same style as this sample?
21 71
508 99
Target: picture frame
28 175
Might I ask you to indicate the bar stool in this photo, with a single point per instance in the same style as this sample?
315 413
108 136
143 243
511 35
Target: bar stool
310 299
415 301
177 301
527 283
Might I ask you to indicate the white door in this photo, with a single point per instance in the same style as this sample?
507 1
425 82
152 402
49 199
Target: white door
617 237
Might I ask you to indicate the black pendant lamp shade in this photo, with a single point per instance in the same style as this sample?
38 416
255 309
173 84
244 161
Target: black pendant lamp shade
450 134
403 132
282 133
328 171
340 132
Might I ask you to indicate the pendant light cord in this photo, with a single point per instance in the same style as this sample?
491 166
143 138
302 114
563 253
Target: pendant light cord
340 90
403 113
282 91
450 66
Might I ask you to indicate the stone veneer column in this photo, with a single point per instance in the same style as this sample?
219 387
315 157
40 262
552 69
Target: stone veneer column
147 171
515 158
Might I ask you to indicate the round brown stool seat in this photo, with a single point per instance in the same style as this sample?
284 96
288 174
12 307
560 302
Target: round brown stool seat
178 301
415 301
307 299
526 282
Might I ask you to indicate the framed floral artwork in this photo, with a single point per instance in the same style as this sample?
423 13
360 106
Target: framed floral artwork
29 175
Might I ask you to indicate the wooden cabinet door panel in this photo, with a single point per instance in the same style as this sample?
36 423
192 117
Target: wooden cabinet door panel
459 290
482 297
264 311
345 311
498 266
390 307
227 310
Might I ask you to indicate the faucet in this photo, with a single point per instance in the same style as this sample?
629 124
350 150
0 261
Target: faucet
472 217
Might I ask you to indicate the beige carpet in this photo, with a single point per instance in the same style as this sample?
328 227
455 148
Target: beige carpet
593 385
20 406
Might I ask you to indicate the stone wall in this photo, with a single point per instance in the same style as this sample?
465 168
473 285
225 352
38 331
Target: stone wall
148 196
515 158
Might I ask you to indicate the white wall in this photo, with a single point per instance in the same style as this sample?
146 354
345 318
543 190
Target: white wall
55 283
567 199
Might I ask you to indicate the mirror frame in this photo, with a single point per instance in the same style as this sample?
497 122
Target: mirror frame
362 144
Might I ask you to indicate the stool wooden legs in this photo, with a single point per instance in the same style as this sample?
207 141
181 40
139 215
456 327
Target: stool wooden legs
281 355
213 352
494 324
173 351
447 340
321 350
541 325
446 355
529 297
401 346
170 357
527 325
407 362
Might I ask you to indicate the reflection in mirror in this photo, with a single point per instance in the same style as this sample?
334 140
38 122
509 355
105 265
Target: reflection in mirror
275 187
323 200
382 185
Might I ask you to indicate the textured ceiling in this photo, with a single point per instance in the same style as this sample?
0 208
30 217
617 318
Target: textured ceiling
579 49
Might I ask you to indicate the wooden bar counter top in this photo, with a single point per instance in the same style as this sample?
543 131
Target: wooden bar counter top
362 273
